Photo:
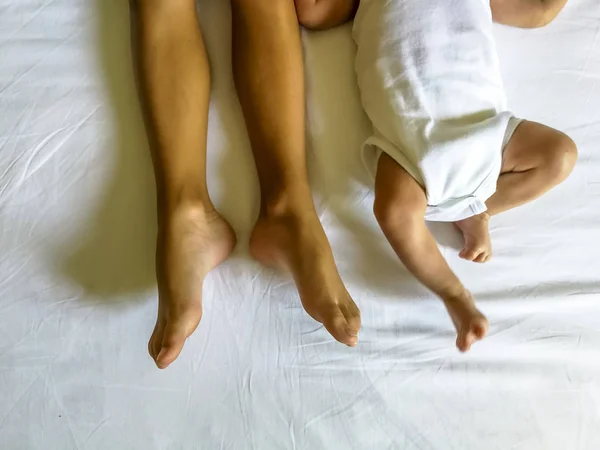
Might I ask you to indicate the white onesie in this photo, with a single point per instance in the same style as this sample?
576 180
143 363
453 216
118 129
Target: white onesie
430 83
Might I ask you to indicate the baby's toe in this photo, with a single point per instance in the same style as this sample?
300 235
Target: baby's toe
475 332
464 341
469 253
466 254
481 258
479 327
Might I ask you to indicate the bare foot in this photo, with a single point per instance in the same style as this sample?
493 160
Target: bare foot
191 242
471 325
297 243
478 245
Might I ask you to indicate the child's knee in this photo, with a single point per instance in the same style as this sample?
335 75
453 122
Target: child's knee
540 14
563 157
393 213
546 14
399 200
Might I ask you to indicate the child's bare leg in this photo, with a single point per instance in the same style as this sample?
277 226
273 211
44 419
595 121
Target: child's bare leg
536 159
267 61
400 205
192 237
526 13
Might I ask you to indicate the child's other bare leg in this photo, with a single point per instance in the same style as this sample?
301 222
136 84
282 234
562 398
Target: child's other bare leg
400 205
192 237
268 71
536 159
526 13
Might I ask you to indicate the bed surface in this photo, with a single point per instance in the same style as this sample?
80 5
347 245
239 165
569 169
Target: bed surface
78 297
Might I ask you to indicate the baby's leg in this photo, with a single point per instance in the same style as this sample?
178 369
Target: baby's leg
536 159
400 205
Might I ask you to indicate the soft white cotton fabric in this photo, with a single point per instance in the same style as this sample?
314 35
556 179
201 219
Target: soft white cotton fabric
430 82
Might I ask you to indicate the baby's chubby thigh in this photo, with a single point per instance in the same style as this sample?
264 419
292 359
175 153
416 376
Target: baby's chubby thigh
399 199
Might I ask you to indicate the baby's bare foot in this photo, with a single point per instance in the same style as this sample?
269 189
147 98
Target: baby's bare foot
471 325
297 244
478 245
191 242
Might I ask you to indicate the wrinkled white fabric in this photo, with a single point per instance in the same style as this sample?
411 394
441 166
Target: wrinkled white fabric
430 82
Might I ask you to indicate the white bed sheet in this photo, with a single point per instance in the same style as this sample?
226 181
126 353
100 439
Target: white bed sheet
78 300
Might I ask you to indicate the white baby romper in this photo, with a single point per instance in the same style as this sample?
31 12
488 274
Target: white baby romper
430 82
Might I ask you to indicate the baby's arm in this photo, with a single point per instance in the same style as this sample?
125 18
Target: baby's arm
526 13
324 14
